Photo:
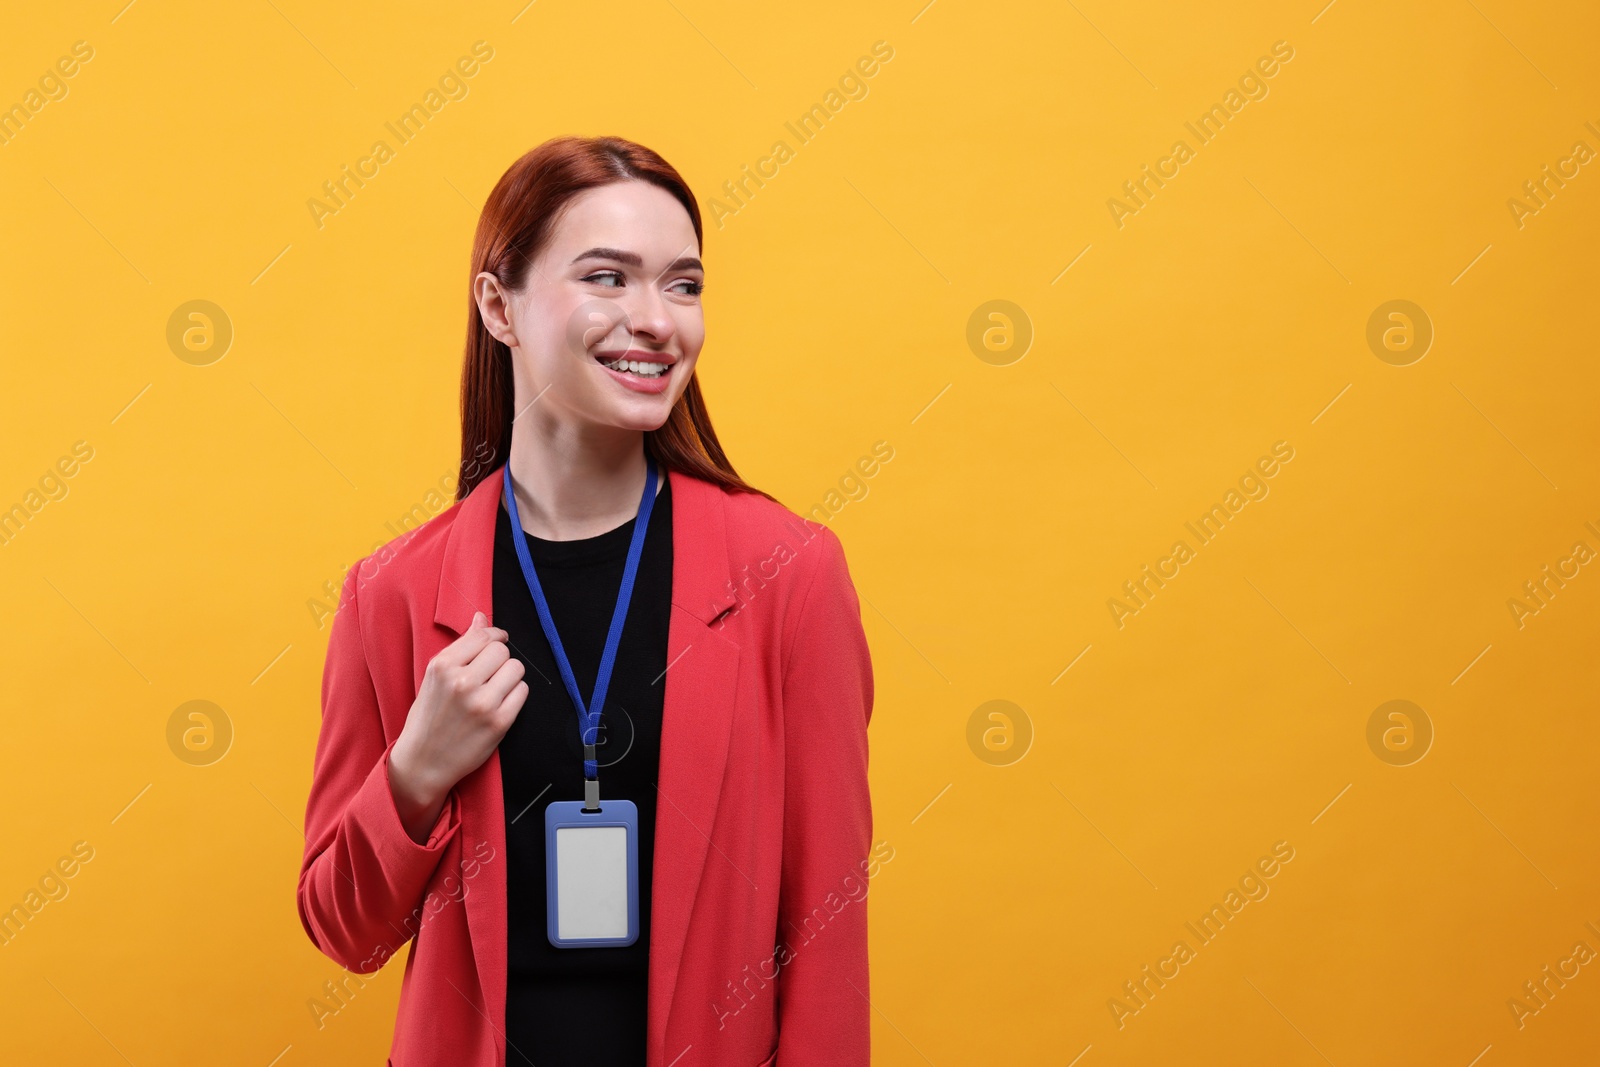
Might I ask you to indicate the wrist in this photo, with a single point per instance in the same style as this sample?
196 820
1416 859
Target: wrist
412 792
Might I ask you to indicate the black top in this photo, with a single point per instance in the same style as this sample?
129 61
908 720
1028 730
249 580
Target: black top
580 1005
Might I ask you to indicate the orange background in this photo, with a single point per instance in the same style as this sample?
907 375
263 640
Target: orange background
1041 860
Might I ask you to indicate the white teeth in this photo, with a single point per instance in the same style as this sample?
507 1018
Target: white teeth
639 367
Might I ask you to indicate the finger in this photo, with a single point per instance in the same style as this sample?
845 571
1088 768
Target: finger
464 648
512 704
495 633
488 660
503 680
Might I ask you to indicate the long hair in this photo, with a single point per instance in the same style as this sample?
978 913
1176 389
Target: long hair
513 229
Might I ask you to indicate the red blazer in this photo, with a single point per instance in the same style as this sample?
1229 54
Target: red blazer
758 927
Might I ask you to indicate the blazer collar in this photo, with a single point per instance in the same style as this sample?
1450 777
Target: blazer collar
702 582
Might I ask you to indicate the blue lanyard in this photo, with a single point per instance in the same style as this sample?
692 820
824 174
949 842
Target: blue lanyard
588 717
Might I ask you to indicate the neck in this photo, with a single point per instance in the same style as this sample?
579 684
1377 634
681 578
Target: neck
573 481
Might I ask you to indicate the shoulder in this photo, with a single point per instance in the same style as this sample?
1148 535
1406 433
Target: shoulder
814 620
759 528
403 568
778 561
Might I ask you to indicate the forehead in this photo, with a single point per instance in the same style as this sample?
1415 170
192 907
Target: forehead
635 216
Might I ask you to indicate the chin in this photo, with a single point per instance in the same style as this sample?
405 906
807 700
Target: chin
650 416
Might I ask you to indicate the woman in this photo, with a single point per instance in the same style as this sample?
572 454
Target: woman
616 583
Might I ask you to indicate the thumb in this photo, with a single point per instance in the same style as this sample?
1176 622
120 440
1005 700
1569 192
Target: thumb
479 619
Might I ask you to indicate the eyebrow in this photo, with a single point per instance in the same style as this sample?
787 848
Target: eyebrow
633 259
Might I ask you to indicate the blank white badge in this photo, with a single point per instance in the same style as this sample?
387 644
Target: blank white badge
592 881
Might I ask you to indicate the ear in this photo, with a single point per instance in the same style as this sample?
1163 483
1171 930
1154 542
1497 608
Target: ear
494 306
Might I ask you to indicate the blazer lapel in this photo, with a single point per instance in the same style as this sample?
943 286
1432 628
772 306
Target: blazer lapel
698 706
697 718
466 585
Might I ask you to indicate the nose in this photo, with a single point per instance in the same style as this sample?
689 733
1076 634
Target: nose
649 315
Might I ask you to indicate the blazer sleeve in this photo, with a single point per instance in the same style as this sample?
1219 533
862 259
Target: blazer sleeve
824 1016
362 876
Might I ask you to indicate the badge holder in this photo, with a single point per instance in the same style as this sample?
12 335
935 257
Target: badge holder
592 873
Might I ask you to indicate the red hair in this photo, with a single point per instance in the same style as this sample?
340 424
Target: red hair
513 230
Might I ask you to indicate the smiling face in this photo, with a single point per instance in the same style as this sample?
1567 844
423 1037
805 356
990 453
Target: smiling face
608 325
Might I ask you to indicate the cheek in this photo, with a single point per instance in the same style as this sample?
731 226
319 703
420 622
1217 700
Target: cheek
556 331
691 326
546 334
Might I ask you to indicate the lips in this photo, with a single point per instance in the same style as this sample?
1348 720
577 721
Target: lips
645 362
645 372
